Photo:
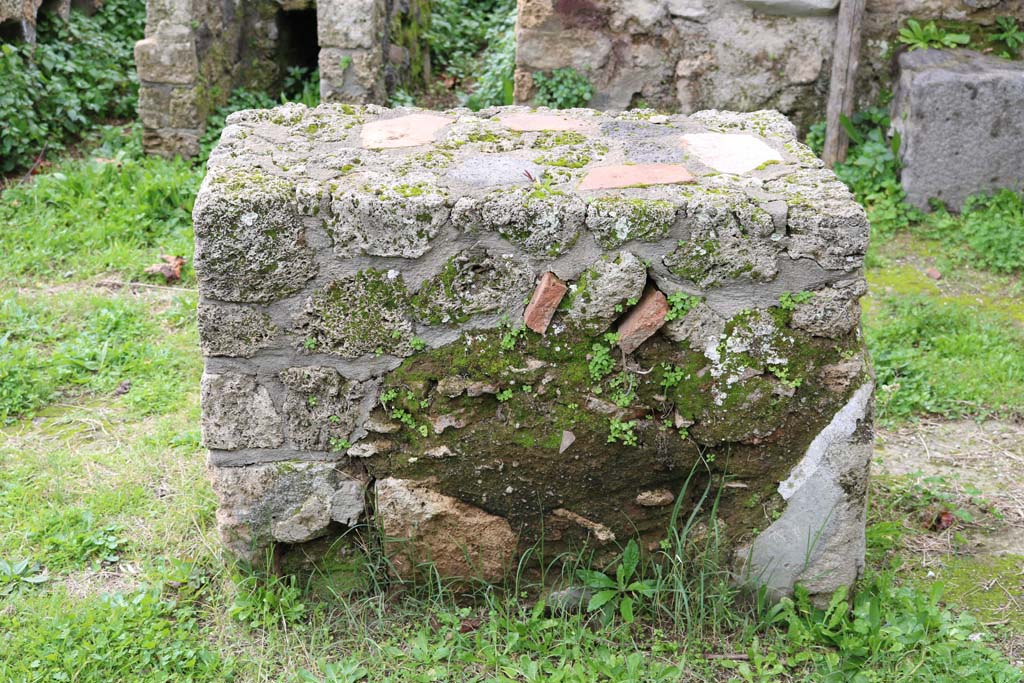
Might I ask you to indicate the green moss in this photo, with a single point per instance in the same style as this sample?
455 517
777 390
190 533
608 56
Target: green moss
616 220
550 139
361 314
984 585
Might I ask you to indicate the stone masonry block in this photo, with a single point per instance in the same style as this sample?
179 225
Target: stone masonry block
527 325
959 118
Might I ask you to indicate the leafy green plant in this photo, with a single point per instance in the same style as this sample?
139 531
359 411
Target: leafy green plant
622 594
264 602
871 170
1009 32
562 89
79 72
620 431
19 574
790 300
601 362
494 74
988 233
917 36
679 304
345 671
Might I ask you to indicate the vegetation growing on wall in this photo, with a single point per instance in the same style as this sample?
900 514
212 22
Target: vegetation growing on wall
1004 38
562 89
80 72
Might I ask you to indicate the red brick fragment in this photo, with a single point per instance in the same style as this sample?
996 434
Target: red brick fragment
933 273
644 320
545 300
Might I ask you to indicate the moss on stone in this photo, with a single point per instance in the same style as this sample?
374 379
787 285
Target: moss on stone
617 220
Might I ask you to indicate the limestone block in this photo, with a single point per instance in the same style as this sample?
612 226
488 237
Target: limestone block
168 56
232 330
250 241
603 292
322 409
238 413
286 502
794 8
957 113
351 24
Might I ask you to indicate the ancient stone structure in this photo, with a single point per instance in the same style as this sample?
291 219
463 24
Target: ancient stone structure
960 116
196 52
685 55
516 329
18 18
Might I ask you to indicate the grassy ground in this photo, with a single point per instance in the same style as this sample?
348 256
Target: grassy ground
110 568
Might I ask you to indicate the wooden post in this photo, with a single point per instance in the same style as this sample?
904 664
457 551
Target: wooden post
845 61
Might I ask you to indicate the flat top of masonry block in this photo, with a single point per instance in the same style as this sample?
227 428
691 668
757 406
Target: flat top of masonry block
967 62
578 150
394 182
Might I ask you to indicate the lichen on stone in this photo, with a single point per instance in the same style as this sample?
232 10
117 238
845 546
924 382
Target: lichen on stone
366 313
473 282
617 220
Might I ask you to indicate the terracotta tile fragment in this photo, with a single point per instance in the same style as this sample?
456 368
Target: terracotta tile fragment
535 122
630 175
644 320
545 300
405 131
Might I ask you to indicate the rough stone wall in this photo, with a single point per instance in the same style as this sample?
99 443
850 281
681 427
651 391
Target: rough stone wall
685 55
481 332
196 51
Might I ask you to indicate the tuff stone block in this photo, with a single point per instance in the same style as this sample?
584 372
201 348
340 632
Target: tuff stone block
940 95
520 356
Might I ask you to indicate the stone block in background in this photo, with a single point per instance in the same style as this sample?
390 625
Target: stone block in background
513 326
960 115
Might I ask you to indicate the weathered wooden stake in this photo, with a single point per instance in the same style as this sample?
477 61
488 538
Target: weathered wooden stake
844 75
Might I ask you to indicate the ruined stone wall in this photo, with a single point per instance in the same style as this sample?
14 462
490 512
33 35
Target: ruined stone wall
196 51
483 332
685 55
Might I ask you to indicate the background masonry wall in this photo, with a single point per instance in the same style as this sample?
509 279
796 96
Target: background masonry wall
196 51
478 331
687 55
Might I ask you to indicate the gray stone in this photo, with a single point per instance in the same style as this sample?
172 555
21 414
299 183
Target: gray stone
233 330
604 292
958 116
572 600
617 220
835 311
387 215
819 539
168 56
357 315
701 327
794 8
322 409
491 170
542 223
474 282
287 502
238 413
350 24
250 241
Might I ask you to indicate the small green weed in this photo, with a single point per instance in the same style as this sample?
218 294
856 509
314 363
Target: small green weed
917 36
679 304
988 234
14 576
623 593
601 362
264 602
620 431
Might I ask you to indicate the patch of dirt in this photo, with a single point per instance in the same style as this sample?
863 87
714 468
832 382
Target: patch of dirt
987 455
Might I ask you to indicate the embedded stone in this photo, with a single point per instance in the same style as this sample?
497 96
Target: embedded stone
635 175
421 525
232 330
794 8
655 498
491 170
412 130
731 152
322 408
474 281
544 302
605 291
238 413
643 320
